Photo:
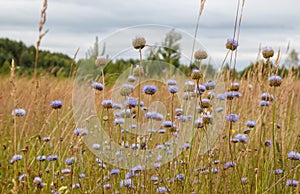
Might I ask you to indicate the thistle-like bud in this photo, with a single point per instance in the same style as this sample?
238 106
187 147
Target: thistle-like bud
196 74
267 52
100 61
231 44
200 54
139 42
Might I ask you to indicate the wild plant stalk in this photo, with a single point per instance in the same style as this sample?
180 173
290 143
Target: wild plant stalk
40 37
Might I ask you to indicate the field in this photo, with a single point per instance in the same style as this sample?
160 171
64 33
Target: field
259 158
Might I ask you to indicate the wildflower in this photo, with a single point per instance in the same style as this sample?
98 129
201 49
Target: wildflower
264 103
114 171
241 138
162 190
278 171
179 177
205 103
196 74
154 178
171 82
56 104
292 183
52 157
16 158
231 44
244 180
268 143
200 54
210 85
168 124
219 109
247 131
131 102
80 131
96 146
41 158
117 106
250 124
173 89
232 118
127 183
221 96
22 176
131 79
107 104
267 52
154 115
119 121
275 80
139 43
18 112
214 170
199 123
107 186
37 180
46 139
267 97
232 95
229 165
292 155
81 175
76 186
178 111
66 171
126 89
207 118
138 71
70 161
235 86
100 61
161 131
97 86
149 90
186 145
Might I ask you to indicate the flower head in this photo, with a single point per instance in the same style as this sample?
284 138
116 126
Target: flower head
149 90
267 97
131 79
264 103
210 85
56 104
97 86
292 155
231 44
267 52
16 158
275 80
200 54
100 61
18 112
268 143
232 118
138 71
107 104
292 183
171 82
196 74
229 165
131 102
126 89
235 86
139 43
250 124
173 89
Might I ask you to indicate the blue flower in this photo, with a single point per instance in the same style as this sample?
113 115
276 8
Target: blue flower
210 85
41 158
70 161
114 171
232 95
149 90
219 109
250 124
168 124
267 97
52 158
171 82
200 89
97 86
22 176
56 104
264 103
278 171
268 143
239 138
18 112
232 118
37 180
292 183
162 190
199 123
131 102
16 158
154 115
96 146
173 89
275 80
131 79
229 165
80 131
179 177
107 104
292 155
221 96
66 171
119 121
231 44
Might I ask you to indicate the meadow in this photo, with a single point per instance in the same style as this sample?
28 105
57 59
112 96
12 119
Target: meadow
202 134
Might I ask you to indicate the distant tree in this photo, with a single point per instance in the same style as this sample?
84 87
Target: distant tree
169 51
293 59
5 68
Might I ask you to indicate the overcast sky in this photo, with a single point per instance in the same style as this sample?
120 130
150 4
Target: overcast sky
76 23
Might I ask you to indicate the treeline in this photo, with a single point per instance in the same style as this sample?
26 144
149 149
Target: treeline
56 64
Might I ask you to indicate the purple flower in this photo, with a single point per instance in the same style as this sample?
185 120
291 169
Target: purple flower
70 161
154 115
162 190
229 165
231 44
278 171
66 171
232 95
221 96
232 118
80 131
171 82
267 97
37 180
179 177
173 89
210 85
41 158
268 143
97 86
96 146
18 112
16 158
250 124
275 80
119 121
240 138
200 90
264 103
131 79
126 183
219 109
131 102
52 157
22 176
149 90
168 124
56 104
114 171
292 155
292 183
199 123
107 104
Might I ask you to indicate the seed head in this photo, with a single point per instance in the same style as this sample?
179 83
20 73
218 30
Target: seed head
275 81
267 52
196 75
200 54
101 61
139 43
